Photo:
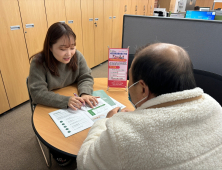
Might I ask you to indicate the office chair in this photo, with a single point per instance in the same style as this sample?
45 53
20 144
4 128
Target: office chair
131 57
48 162
211 83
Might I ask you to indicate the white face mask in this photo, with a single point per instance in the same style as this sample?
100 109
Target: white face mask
129 97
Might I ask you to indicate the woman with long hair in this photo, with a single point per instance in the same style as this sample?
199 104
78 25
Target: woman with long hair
58 65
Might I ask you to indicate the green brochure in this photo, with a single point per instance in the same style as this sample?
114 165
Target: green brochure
104 96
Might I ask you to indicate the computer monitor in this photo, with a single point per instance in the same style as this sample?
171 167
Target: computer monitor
204 8
218 15
206 15
177 15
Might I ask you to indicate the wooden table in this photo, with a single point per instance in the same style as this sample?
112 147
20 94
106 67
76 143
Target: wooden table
48 132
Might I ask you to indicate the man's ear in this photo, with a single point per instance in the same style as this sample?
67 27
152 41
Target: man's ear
145 88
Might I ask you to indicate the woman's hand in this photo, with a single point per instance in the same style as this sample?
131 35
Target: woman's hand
75 102
112 112
90 100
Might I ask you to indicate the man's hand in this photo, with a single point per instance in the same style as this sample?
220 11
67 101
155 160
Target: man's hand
126 110
112 112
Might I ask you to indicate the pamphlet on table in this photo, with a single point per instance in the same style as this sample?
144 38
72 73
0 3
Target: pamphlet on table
71 121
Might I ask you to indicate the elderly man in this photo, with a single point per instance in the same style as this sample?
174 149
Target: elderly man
175 124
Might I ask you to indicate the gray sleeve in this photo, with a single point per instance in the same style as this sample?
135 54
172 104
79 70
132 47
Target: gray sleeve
85 80
38 87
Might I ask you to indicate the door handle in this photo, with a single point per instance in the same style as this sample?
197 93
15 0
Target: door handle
16 27
29 25
95 24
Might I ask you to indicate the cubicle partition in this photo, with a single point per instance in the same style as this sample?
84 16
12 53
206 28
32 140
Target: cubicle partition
202 39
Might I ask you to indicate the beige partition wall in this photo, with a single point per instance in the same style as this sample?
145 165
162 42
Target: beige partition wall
4 105
88 31
98 31
55 10
107 26
74 20
34 24
14 59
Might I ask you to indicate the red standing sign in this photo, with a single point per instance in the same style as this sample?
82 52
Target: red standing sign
118 67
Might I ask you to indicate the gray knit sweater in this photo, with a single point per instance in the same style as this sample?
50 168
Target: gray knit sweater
41 82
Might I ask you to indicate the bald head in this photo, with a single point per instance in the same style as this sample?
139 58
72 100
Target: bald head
164 67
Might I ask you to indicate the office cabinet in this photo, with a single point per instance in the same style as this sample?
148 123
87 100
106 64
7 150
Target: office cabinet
98 31
204 3
74 15
127 6
172 5
92 26
150 7
134 7
142 7
55 11
34 24
117 24
88 31
200 3
14 59
107 26
4 105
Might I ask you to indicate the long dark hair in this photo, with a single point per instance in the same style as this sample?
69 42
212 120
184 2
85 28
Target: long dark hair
55 31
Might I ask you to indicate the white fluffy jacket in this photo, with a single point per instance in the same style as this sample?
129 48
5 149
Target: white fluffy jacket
182 136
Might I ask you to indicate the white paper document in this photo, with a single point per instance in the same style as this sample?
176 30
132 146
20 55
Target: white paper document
70 121
73 121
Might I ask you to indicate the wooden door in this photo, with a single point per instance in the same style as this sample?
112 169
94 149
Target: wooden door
172 5
116 29
142 7
98 27
4 105
127 6
88 31
73 14
55 11
107 26
164 4
14 59
217 5
134 7
34 24
150 7
209 3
